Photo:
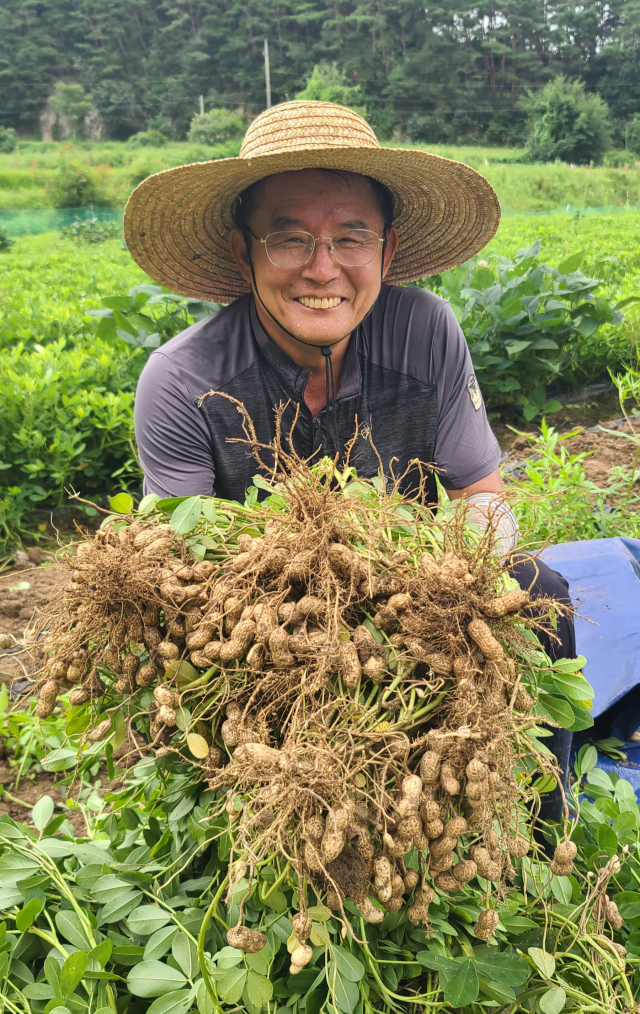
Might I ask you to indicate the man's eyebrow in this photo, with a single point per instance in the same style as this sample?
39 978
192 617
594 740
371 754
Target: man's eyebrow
285 222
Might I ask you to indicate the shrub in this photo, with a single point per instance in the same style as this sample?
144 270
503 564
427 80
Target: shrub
74 187
527 324
147 139
90 230
567 124
66 420
216 127
5 240
7 140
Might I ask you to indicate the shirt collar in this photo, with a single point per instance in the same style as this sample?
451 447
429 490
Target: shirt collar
293 377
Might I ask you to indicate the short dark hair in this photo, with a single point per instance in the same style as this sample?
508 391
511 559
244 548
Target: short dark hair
247 201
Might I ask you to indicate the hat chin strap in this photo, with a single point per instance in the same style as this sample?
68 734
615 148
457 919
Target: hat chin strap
326 350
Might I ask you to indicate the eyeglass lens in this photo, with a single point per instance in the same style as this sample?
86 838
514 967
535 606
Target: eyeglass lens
348 247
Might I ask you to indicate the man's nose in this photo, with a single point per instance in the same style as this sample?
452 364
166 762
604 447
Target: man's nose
322 267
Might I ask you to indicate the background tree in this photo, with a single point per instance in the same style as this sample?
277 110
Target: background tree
568 124
448 71
72 105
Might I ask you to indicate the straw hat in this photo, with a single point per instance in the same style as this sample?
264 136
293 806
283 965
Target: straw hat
177 222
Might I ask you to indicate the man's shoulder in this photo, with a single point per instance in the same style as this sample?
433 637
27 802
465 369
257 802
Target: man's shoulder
406 328
412 300
232 321
211 352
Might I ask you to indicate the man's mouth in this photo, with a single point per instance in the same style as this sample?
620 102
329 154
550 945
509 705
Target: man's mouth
319 303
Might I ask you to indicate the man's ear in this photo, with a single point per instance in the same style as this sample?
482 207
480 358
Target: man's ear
390 248
238 246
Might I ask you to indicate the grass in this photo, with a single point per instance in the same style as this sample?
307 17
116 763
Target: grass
26 174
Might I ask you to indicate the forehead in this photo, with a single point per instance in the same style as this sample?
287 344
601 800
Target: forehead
308 193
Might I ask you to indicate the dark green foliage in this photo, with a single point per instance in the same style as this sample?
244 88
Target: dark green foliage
148 316
76 430
527 323
75 187
568 124
5 240
216 127
444 73
7 140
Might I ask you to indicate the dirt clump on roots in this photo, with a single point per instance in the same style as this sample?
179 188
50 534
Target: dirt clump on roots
346 670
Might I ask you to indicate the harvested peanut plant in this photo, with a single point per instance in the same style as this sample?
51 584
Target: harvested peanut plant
351 689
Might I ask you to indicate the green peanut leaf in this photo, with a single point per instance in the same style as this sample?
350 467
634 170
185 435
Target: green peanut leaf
463 986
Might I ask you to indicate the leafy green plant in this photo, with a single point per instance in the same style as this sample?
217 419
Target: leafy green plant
66 421
91 230
556 503
525 322
216 127
149 316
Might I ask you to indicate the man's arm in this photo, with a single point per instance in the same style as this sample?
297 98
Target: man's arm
172 435
491 483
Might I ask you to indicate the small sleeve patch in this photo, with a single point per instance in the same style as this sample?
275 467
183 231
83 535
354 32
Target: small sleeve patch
474 392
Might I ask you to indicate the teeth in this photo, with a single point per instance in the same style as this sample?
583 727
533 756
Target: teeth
320 304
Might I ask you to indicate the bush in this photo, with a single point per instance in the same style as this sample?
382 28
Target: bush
66 420
567 124
7 140
5 240
90 230
74 187
216 127
527 324
328 84
147 139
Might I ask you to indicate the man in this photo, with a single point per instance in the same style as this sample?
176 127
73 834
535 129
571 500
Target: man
299 235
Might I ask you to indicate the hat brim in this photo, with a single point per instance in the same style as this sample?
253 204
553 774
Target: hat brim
177 222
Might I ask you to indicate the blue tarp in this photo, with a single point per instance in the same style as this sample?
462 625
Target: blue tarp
604 581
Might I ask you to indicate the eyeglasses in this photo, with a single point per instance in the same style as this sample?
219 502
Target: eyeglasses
349 247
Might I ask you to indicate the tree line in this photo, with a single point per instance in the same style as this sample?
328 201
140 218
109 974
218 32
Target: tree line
444 72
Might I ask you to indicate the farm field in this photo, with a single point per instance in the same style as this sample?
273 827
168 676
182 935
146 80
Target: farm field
29 176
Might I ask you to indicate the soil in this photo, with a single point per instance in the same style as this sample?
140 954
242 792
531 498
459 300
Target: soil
606 451
24 591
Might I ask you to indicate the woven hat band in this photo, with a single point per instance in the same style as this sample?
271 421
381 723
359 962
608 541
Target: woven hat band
306 126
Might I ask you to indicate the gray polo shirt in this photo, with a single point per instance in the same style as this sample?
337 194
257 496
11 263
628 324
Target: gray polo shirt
407 377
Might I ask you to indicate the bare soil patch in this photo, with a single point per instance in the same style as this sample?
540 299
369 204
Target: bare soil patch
606 451
23 594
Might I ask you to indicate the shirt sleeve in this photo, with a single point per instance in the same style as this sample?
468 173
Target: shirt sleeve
466 448
172 436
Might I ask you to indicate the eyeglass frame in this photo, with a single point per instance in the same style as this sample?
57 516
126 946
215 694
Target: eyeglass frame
381 239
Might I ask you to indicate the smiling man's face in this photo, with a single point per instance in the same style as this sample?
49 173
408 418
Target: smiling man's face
321 301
